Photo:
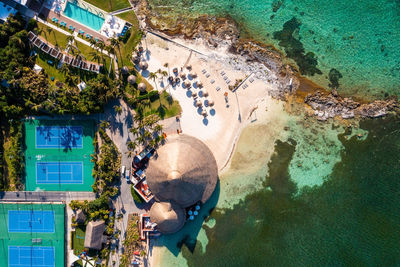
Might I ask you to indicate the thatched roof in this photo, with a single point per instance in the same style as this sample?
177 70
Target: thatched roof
143 65
124 70
205 93
142 87
80 216
94 234
210 103
131 79
184 171
168 216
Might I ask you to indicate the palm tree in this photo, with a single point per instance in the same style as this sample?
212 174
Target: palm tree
167 66
64 69
153 76
95 56
49 30
71 39
118 109
116 43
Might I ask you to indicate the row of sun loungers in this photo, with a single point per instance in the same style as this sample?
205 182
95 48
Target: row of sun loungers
64 57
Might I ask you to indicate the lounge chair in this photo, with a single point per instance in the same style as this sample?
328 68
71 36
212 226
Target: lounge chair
54 19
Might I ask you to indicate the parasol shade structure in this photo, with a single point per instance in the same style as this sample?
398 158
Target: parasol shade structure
183 171
168 216
131 79
124 70
143 65
142 87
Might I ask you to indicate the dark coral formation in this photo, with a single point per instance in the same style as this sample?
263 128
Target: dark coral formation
334 76
294 49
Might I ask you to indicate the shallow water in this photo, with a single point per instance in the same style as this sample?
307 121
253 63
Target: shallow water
348 220
351 43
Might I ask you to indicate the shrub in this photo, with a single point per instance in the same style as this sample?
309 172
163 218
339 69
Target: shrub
135 195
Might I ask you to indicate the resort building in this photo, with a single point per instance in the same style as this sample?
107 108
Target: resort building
182 174
94 234
87 20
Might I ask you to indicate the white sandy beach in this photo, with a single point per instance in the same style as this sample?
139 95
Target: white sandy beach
221 129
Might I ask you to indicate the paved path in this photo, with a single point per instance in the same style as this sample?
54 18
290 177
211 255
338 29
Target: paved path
28 196
123 10
77 38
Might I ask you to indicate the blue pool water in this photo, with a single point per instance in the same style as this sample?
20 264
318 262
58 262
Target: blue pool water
83 16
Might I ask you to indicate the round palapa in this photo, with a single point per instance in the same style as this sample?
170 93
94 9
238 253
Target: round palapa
183 170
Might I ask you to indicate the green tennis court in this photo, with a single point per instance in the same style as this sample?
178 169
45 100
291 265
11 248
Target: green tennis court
58 154
30 246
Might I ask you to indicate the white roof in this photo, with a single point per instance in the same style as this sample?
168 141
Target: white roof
22 2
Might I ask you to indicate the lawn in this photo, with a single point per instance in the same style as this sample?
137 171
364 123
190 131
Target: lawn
109 5
78 239
164 106
57 38
126 48
53 37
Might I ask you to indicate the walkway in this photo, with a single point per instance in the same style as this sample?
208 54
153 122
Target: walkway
77 38
123 10
29 196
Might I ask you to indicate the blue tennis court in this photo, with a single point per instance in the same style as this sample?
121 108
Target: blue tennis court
31 221
59 137
30 256
59 172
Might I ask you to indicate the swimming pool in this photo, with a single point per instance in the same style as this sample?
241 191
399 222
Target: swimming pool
83 16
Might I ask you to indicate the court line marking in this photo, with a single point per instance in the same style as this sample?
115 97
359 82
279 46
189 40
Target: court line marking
58 147
58 162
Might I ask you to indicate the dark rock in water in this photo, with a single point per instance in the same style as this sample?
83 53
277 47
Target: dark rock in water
332 105
276 5
294 49
334 76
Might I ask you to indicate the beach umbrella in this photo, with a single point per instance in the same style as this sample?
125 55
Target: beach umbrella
191 217
199 84
175 70
183 75
131 79
142 87
194 94
210 103
124 70
193 74
141 49
136 59
190 212
204 113
144 65
198 103
185 171
189 67
205 93
196 213
177 80
187 84
197 207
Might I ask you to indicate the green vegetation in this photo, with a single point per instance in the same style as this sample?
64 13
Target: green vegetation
164 106
135 36
78 239
132 241
13 156
109 5
136 196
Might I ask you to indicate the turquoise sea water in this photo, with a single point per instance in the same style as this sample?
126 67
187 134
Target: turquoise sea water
359 39
83 16
327 197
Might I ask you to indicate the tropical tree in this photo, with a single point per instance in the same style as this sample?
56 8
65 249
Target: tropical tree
96 56
167 66
118 109
153 76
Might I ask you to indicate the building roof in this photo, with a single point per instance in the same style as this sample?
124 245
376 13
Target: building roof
94 234
80 216
168 216
184 170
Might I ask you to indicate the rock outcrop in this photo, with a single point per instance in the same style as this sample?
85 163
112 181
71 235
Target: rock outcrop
327 106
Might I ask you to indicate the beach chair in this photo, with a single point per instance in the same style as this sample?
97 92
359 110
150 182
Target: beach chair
54 19
218 88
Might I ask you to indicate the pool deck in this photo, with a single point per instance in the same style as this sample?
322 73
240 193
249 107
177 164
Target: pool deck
50 14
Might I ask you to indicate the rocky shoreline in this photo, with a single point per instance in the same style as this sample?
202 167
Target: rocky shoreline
217 32
330 105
